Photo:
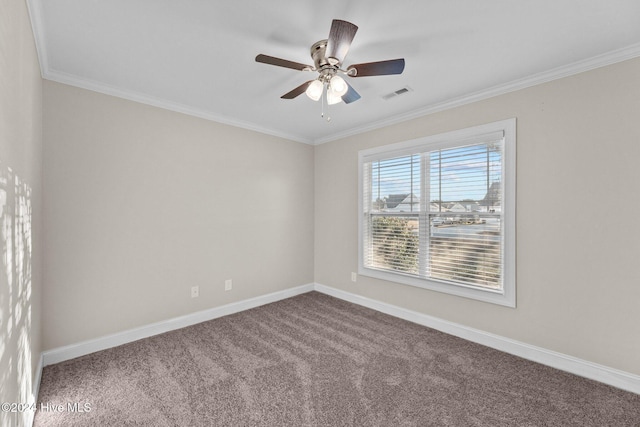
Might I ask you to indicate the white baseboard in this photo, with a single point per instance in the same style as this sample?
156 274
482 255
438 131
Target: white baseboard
35 390
72 351
583 368
613 377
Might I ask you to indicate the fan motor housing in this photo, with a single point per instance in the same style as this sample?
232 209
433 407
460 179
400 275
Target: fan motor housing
318 55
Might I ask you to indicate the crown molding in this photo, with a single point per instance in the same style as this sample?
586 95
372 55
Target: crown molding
609 58
47 73
588 64
37 26
95 86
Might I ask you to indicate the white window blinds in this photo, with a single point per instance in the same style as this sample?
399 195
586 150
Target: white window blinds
435 211
394 195
465 214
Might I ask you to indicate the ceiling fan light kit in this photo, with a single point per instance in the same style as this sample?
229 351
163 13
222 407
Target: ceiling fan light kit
314 90
328 56
338 85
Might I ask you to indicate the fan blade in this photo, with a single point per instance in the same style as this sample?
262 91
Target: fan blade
380 68
340 37
351 95
297 91
272 60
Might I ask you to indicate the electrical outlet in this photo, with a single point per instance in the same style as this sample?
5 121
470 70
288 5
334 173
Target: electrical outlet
354 277
228 285
195 291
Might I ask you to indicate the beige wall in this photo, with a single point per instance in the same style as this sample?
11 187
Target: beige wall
20 208
141 204
578 244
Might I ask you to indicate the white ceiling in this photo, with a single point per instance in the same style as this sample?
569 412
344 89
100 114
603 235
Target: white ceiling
197 56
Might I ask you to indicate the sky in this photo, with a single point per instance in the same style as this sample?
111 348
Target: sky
463 173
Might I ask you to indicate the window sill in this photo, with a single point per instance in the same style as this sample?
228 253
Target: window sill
500 297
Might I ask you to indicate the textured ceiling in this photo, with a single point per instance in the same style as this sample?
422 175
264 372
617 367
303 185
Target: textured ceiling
197 56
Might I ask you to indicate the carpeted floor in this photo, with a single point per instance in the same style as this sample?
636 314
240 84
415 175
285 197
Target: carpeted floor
314 360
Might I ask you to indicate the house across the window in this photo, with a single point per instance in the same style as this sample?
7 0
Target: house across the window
439 212
401 203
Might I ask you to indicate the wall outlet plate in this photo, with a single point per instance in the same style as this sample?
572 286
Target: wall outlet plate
195 291
228 285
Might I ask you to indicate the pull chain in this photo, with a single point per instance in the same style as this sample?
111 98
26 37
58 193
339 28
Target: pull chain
322 101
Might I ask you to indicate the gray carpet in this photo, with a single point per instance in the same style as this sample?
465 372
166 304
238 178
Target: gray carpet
314 360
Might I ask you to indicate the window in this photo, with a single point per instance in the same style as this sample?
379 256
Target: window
439 212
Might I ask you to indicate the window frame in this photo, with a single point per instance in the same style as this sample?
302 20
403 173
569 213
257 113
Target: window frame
507 295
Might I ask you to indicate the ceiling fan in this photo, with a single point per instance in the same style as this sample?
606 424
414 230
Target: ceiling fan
328 56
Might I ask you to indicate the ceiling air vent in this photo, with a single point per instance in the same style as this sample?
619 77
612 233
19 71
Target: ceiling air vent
397 93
